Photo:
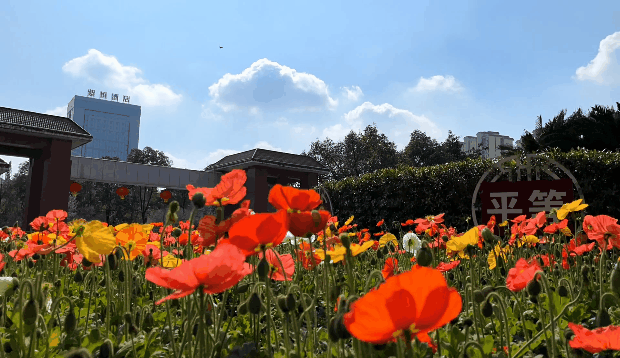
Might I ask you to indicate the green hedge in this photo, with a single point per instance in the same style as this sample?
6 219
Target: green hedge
409 193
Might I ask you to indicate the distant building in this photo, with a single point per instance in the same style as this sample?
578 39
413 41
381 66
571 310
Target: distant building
489 143
115 126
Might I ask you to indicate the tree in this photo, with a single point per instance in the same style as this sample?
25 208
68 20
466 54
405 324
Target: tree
13 203
381 151
327 153
421 150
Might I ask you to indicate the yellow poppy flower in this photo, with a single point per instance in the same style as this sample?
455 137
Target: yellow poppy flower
170 261
96 240
570 207
388 238
505 223
566 231
496 252
458 244
349 220
358 249
529 239
339 251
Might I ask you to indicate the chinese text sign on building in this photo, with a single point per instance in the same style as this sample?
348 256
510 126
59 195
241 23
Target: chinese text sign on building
507 200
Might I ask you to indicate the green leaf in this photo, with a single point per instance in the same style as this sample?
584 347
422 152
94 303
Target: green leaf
487 344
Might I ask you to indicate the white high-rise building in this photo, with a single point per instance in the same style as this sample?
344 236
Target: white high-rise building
115 126
490 140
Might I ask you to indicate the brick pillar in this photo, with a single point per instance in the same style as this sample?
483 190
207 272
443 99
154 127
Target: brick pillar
50 178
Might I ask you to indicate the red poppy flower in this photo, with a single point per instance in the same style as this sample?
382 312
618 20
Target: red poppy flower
379 233
407 223
216 272
391 264
445 267
552 228
299 205
491 223
426 223
602 228
597 340
260 231
309 259
40 223
2 263
380 223
229 191
278 271
520 275
418 300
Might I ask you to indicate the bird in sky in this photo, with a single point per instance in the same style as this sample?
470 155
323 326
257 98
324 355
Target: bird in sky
221 47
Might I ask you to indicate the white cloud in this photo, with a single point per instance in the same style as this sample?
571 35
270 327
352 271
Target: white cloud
106 70
384 116
597 68
353 94
58 111
269 86
437 83
207 113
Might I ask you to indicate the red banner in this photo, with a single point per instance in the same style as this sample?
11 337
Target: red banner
507 200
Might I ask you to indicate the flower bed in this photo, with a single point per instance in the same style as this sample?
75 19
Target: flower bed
301 282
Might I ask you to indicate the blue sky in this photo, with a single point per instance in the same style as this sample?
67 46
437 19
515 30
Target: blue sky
291 73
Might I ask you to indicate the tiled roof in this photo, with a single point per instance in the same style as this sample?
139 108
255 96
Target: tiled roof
44 125
292 161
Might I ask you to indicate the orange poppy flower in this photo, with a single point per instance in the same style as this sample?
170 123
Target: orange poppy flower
216 272
260 231
520 275
601 228
418 300
299 205
391 264
407 223
597 340
380 223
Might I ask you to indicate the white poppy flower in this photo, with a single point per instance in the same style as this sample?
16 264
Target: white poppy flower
412 243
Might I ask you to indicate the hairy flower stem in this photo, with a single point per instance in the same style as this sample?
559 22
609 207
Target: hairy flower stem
550 297
504 316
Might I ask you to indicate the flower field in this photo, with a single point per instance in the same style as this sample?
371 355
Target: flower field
303 283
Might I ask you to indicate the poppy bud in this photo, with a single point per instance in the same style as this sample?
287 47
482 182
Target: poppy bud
562 291
78 277
331 330
171 218
199 200
30 312
568 334
94 335
316 218
333 228
379 347
487 309
478 296
112 261
488 236
533 288
78 353
615 279
425 256
70 322
86 263
602 318
195 329
102 282
106 350
127 317
242 288
380 254
341 330
242 309
254 303
151 295
7 347
584 274
30 264
290 302
121 276
282 303
346 242
174 207
263 269
133 330
148 323
176 232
